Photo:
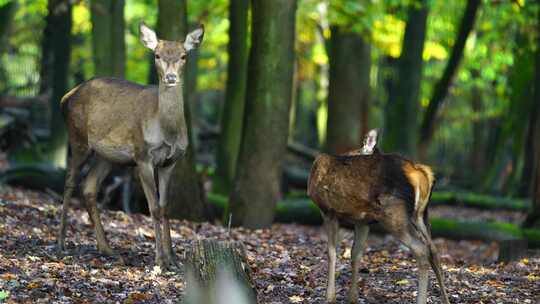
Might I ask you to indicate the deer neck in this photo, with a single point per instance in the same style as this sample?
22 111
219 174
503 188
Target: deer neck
171 110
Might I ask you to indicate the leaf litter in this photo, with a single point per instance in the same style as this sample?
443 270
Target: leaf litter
288 262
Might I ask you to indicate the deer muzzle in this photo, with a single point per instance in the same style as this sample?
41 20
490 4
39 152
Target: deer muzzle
171 79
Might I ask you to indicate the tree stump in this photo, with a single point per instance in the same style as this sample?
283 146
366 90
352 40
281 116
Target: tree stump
218 273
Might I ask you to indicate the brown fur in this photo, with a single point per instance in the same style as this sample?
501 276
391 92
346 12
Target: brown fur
114 121
359 189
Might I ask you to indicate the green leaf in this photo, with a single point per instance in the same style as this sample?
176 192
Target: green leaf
4 294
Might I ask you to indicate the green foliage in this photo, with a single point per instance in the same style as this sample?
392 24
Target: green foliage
4 294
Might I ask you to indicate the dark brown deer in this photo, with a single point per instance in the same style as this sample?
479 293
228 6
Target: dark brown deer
366 186
114 121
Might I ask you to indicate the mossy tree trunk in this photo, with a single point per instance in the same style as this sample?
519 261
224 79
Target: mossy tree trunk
534 216
108 42
7 13
186 199
57 34
348 90
266 117
401 120
233 107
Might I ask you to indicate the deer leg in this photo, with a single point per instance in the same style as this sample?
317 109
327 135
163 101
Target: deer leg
164 175
361 232
146 174
75 161
435 261
331 226
90 189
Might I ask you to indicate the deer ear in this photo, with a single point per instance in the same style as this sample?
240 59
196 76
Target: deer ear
370 141
194 39
148 36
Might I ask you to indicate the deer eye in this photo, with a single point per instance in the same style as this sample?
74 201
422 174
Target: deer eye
157 56
183 57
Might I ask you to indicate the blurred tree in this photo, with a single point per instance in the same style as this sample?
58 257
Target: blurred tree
235 92
7 13
265 128
401 119
56 53
348 90
441 88
534 216
108 42
186 196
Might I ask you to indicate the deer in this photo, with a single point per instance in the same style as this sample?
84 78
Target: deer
117 122
365 186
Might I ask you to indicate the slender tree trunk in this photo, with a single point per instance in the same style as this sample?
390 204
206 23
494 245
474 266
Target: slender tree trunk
477 160
108 41
58 34
7 12
266 116
348 90
441 88
186 198
401 121
534 215
233 108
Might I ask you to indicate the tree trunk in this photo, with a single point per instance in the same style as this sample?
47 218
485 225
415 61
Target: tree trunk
233 107
441 88
534 216
348 90
265 128
108 41
7 12
218 272
58 32
478 152
402 108
186 199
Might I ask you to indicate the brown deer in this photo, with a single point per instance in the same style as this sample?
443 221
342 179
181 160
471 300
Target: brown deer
366 186
114 121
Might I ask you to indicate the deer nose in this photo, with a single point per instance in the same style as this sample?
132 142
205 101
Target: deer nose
170 78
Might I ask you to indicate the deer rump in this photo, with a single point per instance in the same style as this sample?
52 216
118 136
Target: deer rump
354 187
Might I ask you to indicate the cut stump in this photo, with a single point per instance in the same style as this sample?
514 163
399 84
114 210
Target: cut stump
217 272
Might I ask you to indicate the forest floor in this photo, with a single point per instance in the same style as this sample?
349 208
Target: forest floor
288 262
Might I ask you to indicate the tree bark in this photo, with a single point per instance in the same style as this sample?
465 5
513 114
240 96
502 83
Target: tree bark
233 107
108 41
218 272
186 198
58 34
348 90
402 108
7 12
266 117
440 91
534 215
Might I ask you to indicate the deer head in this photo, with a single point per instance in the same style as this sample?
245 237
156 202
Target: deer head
170 56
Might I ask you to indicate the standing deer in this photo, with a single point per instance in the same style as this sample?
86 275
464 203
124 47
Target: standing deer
365 186
114 121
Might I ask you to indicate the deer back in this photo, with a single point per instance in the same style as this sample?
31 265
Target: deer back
350 185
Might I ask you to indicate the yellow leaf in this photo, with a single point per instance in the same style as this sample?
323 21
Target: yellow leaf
403 282
296 299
